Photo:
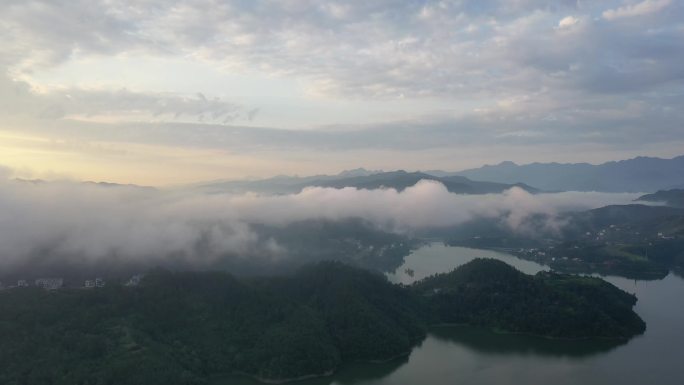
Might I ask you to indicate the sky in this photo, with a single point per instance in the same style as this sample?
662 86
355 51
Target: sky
168 92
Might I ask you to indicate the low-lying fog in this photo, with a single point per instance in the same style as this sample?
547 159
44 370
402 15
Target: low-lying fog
68 220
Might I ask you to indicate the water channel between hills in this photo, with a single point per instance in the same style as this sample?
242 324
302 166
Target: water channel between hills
468 355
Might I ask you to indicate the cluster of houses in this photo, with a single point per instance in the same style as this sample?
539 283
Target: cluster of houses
135 280
97 282
58 283
45 283
49 283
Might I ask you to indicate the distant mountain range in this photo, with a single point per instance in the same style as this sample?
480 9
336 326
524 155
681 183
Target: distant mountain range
361 179
279 184
641 174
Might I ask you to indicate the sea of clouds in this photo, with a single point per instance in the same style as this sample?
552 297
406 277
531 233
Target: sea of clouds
92 221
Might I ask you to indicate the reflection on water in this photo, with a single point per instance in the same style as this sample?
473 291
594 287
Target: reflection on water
350 374
469 355
485 341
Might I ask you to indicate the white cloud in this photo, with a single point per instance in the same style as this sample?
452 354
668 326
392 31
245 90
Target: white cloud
116 105
90 222
395 79
639 9
568 22
358 49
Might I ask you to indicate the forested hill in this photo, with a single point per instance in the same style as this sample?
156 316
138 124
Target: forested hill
491 293
674 197
398 180
184 328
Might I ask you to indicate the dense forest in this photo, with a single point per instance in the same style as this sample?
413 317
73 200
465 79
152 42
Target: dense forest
633 241
674 197
185 327
490 293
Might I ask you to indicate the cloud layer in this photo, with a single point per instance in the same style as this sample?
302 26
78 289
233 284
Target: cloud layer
90 222
267 87
380 48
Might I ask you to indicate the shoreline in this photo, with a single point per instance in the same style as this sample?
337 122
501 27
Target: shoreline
407 353
328 373
276 381
584 267
290 379
542 336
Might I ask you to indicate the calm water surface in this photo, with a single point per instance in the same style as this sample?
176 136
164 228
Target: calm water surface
436 258
467 355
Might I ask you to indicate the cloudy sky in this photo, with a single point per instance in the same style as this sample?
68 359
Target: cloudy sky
161 92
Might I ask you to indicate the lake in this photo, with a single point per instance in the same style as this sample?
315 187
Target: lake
468 355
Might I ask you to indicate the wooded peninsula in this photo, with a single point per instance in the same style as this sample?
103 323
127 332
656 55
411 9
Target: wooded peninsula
185 327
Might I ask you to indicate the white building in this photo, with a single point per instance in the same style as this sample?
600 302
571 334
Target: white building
22 283
97 282
49 283
135 280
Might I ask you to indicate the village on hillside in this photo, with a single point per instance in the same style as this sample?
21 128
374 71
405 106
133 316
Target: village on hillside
59 283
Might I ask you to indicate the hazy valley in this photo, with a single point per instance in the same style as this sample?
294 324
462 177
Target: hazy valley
439 192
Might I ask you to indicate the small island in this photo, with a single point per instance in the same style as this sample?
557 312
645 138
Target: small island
187 327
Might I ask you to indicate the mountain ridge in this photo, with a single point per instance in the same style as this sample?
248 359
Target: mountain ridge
639 174
398 180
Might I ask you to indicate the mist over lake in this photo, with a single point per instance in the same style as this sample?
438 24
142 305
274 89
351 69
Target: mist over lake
210 192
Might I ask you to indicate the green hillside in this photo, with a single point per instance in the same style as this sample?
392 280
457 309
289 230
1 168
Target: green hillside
188 327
